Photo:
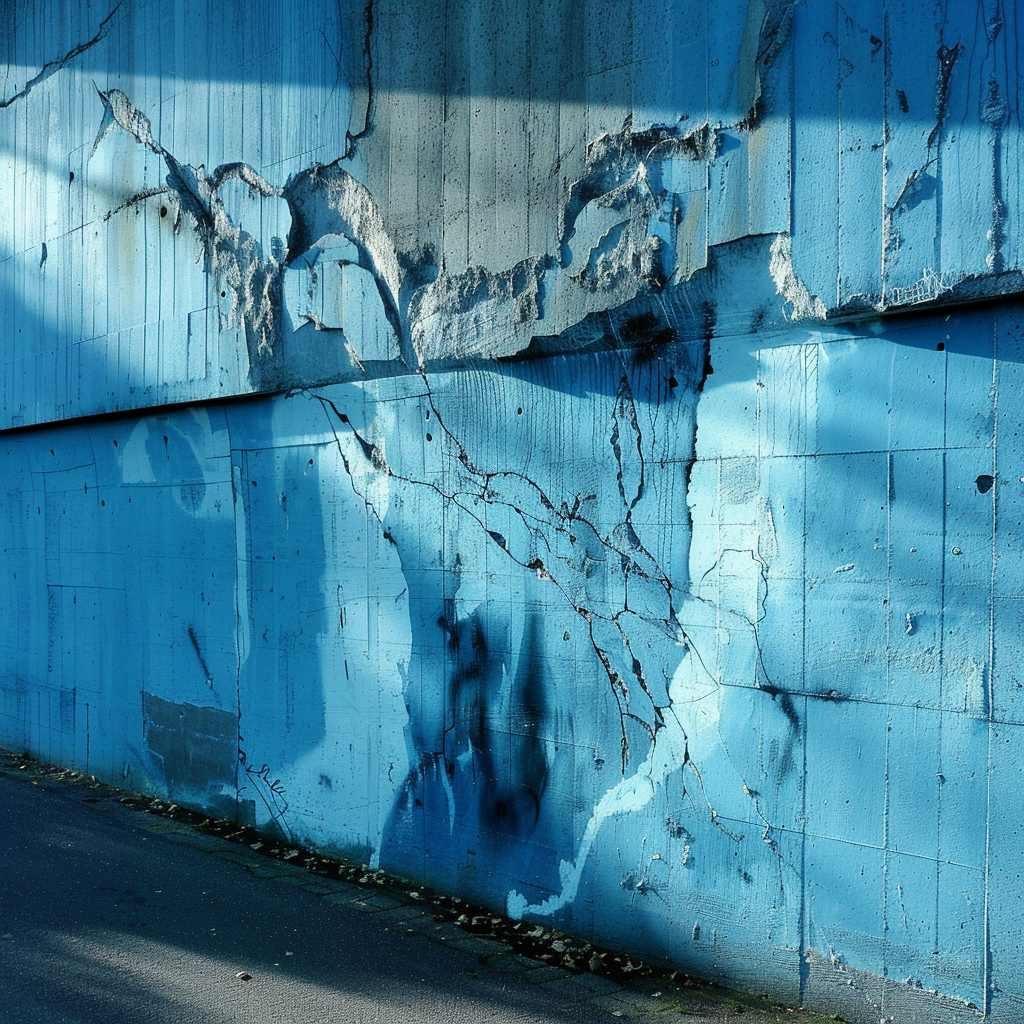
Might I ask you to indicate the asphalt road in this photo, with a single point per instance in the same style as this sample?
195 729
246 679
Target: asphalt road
109 914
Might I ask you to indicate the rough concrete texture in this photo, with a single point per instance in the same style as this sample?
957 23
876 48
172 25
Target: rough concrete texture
565 453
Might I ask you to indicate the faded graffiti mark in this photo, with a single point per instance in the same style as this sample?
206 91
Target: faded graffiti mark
692 718
270 791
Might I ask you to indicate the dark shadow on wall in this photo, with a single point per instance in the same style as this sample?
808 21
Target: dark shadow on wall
568 51
493 689
39 711
476 792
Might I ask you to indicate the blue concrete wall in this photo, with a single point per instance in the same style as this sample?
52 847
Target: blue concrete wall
579 471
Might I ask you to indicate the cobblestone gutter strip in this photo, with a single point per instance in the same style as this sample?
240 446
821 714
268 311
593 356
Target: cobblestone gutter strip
621 985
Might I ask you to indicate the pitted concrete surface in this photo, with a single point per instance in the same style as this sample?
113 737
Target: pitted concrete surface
112 914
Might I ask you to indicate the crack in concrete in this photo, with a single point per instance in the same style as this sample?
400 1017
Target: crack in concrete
51 67
668 733
139 197
562 522
352 141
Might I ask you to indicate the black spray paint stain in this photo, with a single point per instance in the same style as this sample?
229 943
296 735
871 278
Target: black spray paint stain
508 800
207 674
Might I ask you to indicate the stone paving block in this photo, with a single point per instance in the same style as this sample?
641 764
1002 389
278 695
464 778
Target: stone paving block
545 973
570 986
631 1004
266 867
480 946
342 892
422 924
198 841
509 961
639 999
382 901
404 914
249 861
444 932
597 985
299 881
169 829
360 904
614 1006
321 886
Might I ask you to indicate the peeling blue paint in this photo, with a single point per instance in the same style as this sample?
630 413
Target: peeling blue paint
579 472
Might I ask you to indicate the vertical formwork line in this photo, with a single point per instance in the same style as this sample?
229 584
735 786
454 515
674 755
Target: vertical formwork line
987 953
803 924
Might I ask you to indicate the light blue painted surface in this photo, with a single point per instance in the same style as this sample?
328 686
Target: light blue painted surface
569 542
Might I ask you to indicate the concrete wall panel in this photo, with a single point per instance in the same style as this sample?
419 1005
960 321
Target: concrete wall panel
200 210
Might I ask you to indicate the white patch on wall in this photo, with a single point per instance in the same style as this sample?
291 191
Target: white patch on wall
690 737
182 454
